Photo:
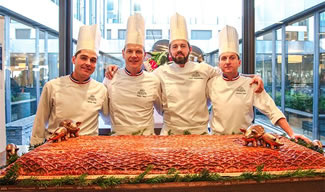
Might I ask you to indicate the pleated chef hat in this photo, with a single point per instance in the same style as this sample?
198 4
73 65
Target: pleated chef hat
135 30
228 40
89 38
178 28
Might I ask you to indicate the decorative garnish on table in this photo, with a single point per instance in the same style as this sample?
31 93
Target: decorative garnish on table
312 145
11 150
256 134
172 176
67 129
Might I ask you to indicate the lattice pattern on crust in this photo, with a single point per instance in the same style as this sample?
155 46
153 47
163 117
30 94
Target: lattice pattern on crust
130 155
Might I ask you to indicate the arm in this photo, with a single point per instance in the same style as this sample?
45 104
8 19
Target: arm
105 107
283 123
267 106
110 71
104 113
213 71
158 101
42 116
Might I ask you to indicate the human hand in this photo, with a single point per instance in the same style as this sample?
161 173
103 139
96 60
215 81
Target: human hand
110 71
302 137
260 85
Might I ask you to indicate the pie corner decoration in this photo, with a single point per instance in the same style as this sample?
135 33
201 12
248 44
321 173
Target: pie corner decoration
67 129
317 143
256 135
11 150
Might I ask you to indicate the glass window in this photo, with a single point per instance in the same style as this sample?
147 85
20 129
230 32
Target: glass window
153 34
201 34
109 33
322 79
93 12
264 60
264 10
278 60
299 74
111 14
121 33
23 65
263 65
33 62
23 33
79 10
52 59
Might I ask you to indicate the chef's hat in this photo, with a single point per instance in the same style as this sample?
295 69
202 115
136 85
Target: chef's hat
135 30
178 28
89 38
228 40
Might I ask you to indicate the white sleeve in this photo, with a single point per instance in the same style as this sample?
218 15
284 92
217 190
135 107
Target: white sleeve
105 113
42 116
266 105
213 71
158 101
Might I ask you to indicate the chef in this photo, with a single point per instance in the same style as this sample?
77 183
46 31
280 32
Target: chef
233 98
133 92
76 96
183 82
183 85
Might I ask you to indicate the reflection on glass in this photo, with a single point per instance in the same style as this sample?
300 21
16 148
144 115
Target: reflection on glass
299 76
29 68
264 60
321 103
22 70
278 60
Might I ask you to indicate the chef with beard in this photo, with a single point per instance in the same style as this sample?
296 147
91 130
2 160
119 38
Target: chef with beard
133 92
183 85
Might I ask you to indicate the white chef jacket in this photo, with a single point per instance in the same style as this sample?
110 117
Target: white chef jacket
184 97
132 99
64 99
233 103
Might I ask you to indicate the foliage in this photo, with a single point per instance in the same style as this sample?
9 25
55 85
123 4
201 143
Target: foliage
299 101
157 59
308 145
139 178
140 132
106 182
258 176
186 132
12 159
32 147
172 176
11 176
111 133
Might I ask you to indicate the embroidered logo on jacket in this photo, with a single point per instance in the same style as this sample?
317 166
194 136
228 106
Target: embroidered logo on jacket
141 93
196 75
92 99
240 91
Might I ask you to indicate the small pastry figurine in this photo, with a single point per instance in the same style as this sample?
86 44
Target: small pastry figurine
11 150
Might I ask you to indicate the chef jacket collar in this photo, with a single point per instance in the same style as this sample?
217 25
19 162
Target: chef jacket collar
129 73
233 79
78 82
